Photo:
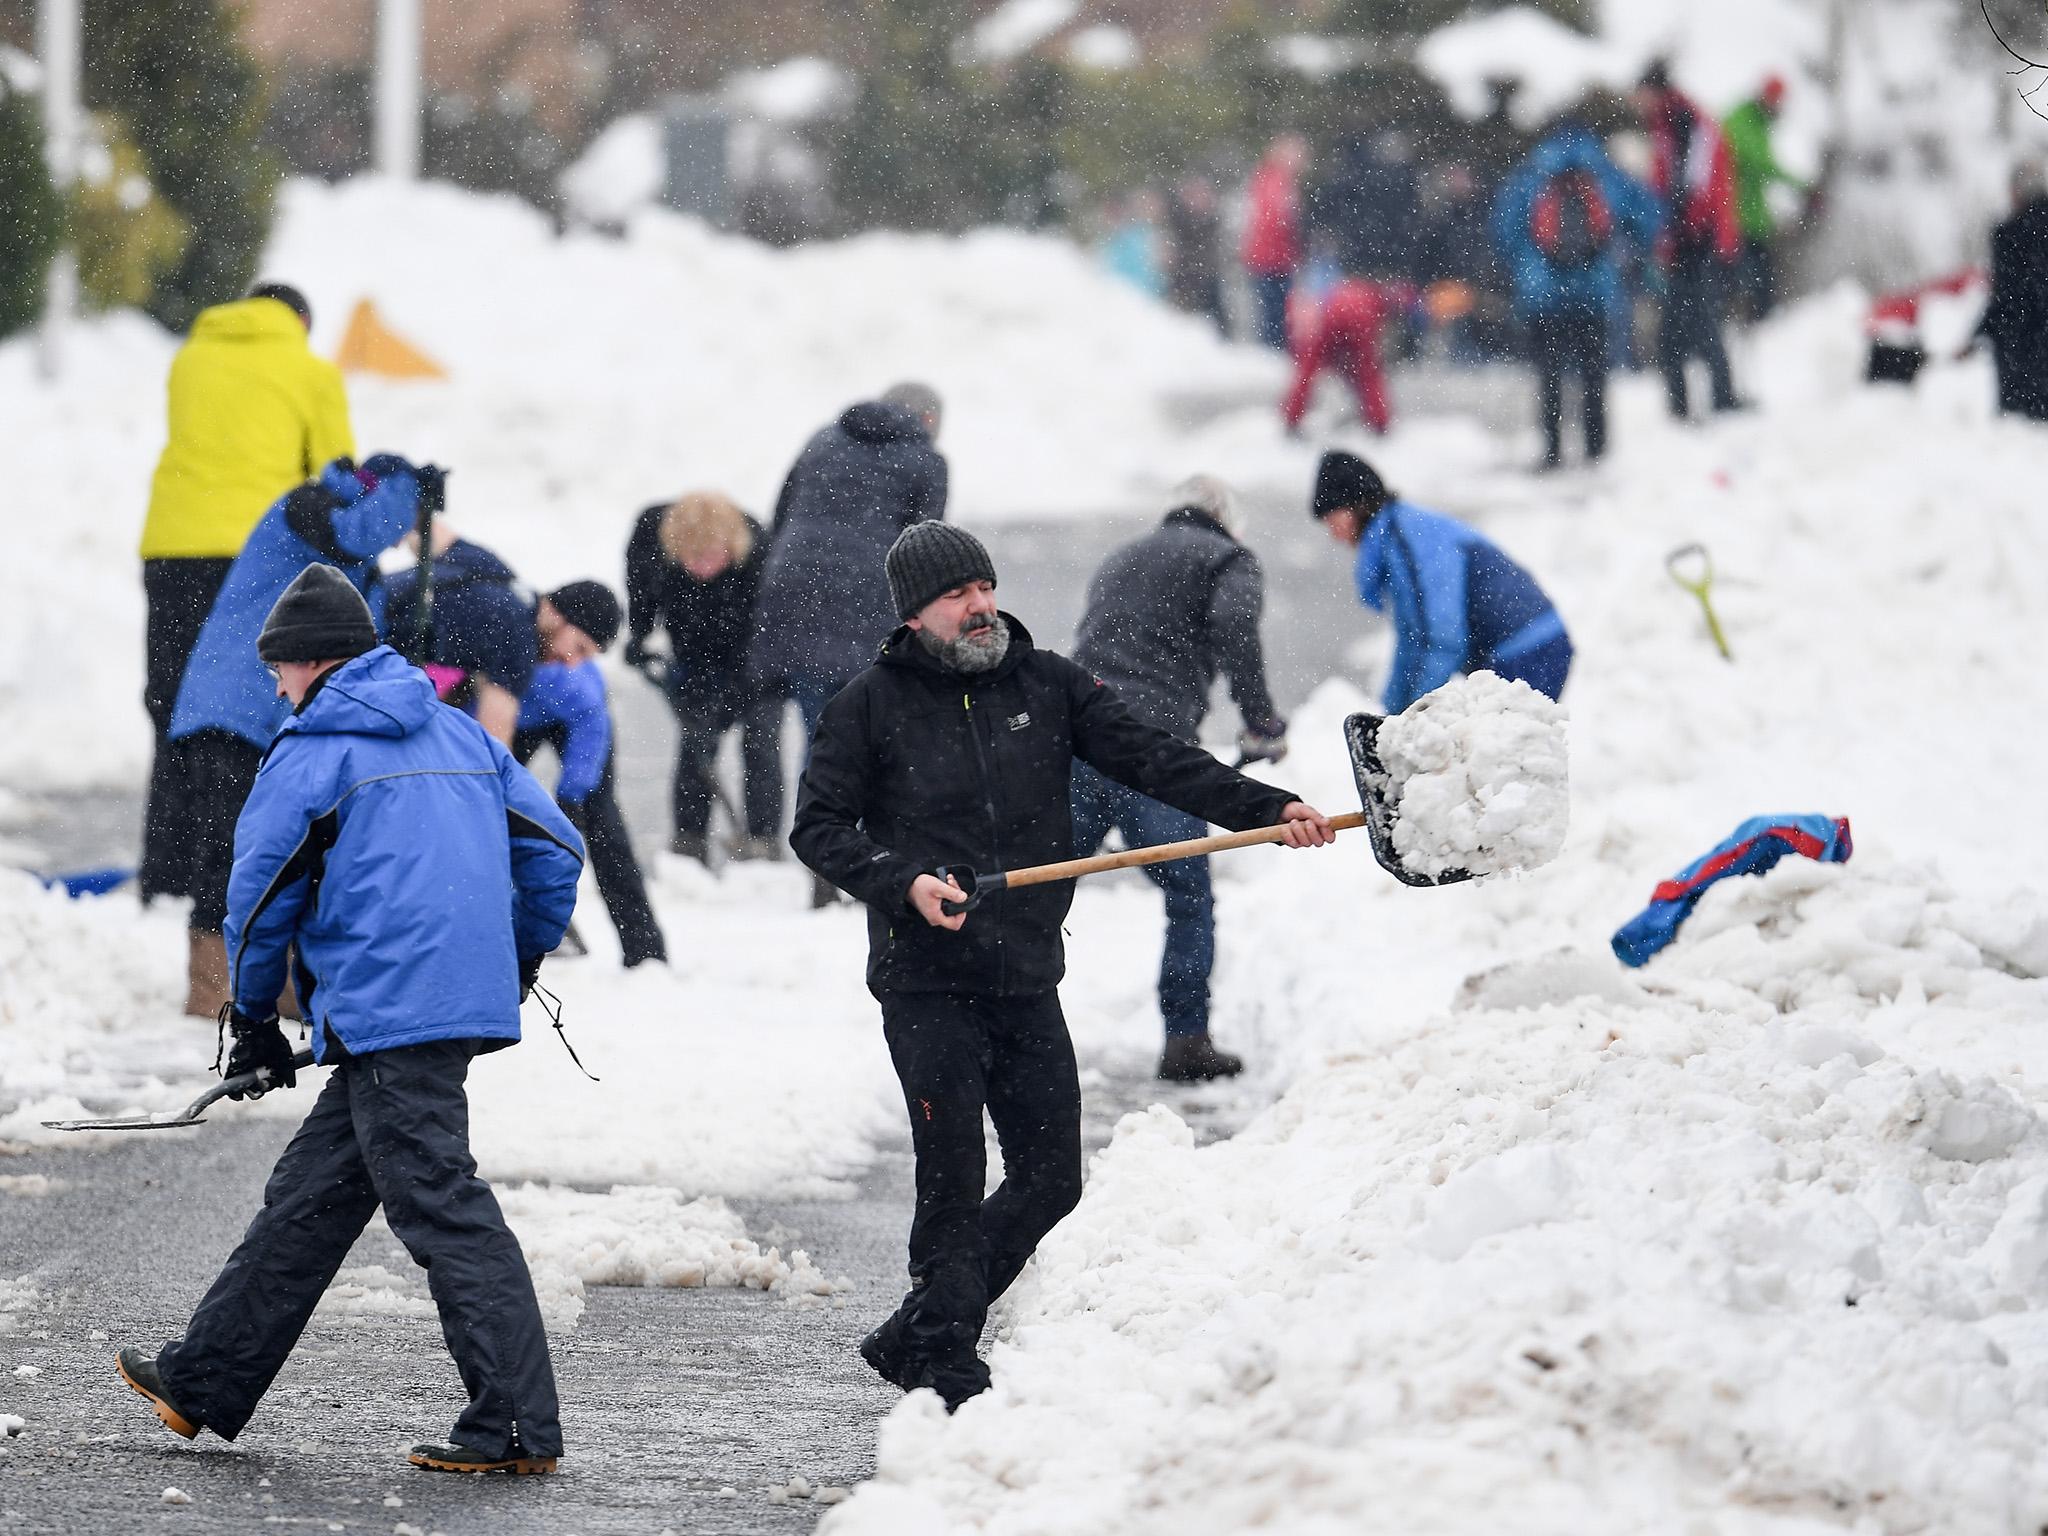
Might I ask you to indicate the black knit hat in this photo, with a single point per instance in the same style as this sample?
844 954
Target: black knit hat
320 617
929 559
1345 480
591 607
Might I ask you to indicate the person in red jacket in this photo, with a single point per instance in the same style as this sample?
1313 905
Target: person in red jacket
1693 173
1345 336
1271 249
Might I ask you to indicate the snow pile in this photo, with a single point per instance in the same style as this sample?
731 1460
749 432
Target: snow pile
17 1296
631 1235
1591 1266
1478 777
621 171
11 1425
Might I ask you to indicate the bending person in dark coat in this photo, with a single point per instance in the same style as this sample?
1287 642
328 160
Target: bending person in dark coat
694 569
1165 614
958 746
824 604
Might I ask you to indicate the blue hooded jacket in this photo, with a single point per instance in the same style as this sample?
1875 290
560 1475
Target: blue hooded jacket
408 858
346 518
1539 285
1458 604
572 699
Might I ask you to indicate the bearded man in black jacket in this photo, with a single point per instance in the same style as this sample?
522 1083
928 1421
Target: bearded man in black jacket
957 747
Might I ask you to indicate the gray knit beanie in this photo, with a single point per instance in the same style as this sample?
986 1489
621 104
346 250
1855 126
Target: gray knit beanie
320 617
931 558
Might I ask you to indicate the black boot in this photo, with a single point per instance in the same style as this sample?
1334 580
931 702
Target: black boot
884 1350
955 1378
140 1372
460 1458
690 845
1195 1059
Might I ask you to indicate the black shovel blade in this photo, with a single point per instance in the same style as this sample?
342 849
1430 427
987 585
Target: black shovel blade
1361 733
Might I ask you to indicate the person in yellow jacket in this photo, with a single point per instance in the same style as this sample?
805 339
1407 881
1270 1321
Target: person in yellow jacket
252 413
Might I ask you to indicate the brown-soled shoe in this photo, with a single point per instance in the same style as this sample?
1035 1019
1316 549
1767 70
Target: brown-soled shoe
460 1458
140 1372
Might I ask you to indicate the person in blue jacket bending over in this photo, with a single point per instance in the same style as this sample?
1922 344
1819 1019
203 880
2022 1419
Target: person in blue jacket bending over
1456 602
412 875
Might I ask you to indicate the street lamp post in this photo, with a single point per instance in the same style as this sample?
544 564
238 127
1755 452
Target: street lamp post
398 88
58 51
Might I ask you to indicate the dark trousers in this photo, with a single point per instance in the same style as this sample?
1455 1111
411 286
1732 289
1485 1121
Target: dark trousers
389 1129
208 777
956 1056
1756 278
1100 803
1571 338
1269 308
609 848
177 596
702 719
1690 327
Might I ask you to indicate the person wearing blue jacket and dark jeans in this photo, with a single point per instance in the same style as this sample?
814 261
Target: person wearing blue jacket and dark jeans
1560 222
565 707
227 708
412 875
1456 602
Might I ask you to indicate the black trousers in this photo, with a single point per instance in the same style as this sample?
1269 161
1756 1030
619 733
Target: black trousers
177 597
1695 301
209 776
956 1056
1571 338
390 1129
610 850
702 719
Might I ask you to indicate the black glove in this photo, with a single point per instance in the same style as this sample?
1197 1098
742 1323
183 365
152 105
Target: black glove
433 484
259 1043
529 973
1263 746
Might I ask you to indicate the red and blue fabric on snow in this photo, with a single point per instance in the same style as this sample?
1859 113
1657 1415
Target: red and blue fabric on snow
1750 849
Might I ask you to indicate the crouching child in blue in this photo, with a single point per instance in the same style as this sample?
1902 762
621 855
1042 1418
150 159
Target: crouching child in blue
414 875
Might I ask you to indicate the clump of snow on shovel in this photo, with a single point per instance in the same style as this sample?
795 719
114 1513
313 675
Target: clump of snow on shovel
1477 777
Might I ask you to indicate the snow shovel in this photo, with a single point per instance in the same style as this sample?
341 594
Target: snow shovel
1377 818
193 1113
1693 569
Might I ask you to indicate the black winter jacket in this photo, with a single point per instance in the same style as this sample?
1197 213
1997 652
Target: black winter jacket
825 602
2016 318
1166 612
915 767
710 624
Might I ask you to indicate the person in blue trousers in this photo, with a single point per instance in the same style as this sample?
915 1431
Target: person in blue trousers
412 876
1456 602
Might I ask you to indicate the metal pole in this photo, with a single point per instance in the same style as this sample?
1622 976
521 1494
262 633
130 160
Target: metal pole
57 46
398 88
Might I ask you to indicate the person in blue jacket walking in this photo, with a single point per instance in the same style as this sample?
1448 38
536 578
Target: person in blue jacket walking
1561 221
227 707
1456 602
413 876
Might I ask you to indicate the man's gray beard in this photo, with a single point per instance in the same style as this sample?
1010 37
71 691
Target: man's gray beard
972 653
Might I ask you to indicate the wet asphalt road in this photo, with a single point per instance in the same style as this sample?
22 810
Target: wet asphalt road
681 1407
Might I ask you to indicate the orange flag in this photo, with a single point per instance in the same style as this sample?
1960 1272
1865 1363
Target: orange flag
370 346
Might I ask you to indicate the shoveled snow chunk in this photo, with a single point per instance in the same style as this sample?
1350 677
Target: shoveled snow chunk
176 1496
1478 777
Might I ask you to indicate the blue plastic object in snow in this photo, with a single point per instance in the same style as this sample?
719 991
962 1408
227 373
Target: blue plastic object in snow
1750 849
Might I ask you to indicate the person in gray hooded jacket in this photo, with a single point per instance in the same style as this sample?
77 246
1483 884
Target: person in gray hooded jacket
1165 614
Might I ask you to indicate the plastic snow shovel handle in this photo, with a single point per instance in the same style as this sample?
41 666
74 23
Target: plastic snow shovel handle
1699 586
979 885
194 1112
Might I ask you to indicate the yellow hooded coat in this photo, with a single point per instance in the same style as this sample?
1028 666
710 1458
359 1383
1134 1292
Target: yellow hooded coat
252 413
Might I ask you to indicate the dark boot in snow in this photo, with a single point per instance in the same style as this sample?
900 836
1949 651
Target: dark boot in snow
460 1458
955 1379
1195 1059
140 1372
691 845
884 1350
206 973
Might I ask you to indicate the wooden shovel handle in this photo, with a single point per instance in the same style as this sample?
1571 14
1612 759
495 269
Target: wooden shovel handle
1162 853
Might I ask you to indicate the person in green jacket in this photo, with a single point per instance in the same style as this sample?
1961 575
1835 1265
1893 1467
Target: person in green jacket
1756 167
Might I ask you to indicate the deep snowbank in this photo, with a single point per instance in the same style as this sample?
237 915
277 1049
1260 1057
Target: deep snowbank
1752 1238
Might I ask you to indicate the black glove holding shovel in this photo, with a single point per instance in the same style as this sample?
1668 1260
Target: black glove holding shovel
259 1046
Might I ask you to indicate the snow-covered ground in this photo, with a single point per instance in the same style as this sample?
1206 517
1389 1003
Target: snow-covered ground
1751 1240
